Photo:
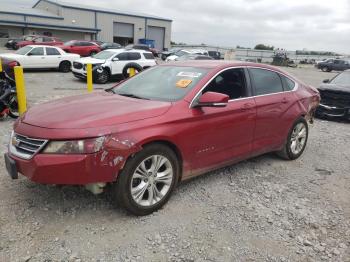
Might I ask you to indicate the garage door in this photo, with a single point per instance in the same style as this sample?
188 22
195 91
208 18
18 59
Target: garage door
123 30
157 34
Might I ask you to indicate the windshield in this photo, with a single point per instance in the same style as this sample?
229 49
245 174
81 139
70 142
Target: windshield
23 50
104 55
162 83
342 79
69 43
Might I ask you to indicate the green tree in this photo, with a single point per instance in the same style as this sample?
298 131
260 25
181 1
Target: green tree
263 47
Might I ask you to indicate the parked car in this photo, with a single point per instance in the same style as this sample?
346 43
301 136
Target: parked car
194 57
8 66
39 40
33 56
165 54
113 64
12 42
154 51
106 46
186 52
83 48
335 97
97 42
215 54
333 64
162 126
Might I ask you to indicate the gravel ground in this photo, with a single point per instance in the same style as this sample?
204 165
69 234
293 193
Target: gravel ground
263 209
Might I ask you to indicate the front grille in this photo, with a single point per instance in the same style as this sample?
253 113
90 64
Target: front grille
77 65
334 98
25 147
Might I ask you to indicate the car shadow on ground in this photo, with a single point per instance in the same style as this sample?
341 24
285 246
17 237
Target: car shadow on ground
67 198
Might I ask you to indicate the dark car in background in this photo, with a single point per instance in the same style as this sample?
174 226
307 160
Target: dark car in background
215 55
333 64
39 40
12 42
81 47
335 97
106 46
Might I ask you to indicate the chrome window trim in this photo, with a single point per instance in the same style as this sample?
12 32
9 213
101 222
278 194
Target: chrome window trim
243 98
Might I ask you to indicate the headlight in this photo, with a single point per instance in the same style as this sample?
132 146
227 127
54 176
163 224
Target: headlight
84 146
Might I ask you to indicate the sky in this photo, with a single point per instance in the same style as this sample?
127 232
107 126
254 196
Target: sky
321 25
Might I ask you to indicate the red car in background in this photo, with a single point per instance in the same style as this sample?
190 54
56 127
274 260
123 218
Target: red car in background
83 48
39 40
164 125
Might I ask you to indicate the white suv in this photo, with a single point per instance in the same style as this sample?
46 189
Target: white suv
113 63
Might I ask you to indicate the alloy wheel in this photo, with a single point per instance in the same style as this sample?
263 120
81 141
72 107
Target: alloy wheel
298 138
151 180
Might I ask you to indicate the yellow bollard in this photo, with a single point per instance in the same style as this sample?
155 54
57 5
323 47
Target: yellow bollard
132 72
0 65
21 91
89 77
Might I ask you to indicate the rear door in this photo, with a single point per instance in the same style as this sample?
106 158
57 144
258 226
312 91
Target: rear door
53 57
272 104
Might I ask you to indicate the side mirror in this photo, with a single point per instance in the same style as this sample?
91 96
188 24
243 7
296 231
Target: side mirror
115 59
326 81
213 99
29 54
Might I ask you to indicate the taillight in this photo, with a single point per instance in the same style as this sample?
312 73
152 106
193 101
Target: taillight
13 64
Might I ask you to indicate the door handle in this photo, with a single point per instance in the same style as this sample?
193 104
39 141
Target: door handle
285 100
246 106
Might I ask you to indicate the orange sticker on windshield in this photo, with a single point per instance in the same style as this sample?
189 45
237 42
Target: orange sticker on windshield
183 83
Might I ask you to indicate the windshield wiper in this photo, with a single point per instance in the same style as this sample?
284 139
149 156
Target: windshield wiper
132 96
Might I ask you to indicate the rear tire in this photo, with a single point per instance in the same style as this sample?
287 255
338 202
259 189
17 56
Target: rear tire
296 140
147 180
65 66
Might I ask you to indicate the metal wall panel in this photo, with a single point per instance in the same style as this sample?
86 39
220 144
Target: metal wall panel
158 35
123 30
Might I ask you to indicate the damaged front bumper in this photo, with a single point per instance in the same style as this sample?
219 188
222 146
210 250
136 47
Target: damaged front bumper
333 111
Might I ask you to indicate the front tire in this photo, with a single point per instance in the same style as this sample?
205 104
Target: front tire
101 76
296 140
147 180
65 66
13 107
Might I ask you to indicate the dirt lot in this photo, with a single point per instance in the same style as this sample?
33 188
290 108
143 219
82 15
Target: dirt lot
264 209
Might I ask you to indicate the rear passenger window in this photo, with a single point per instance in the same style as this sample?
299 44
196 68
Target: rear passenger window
52 51
148 56
134 56
265 81
287 83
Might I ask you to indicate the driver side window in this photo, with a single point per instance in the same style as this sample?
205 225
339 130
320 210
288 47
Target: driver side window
231 82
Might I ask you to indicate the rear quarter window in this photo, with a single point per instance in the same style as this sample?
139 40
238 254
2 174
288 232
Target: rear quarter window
148 56
288 84
265 81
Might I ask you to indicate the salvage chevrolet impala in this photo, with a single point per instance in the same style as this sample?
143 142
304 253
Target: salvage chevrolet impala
164 125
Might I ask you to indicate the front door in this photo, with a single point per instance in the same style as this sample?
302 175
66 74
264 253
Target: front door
36 58
222 135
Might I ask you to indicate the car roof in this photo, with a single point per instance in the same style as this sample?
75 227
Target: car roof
42 46
212 64
120 50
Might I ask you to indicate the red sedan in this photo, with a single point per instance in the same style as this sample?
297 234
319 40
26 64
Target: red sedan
39 40
83 48
164 125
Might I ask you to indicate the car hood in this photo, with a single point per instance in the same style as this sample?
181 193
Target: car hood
95 110
335 88
90 60
172 57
